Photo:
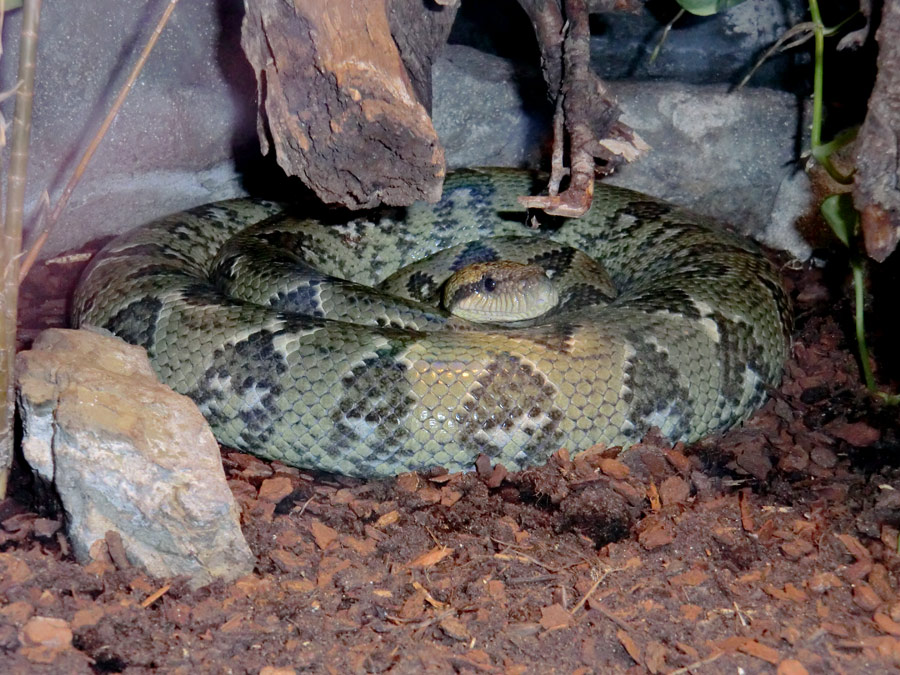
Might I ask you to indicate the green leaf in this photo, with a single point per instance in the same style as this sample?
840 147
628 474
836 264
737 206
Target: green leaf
707 7
6 5
841 216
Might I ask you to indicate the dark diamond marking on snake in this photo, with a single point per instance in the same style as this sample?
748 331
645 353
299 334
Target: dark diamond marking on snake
505 377
646 210
556 261
375 392
578 296
136 323
654 382
474 252
420 286
248 377
302 299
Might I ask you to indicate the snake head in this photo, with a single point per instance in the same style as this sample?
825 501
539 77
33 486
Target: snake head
499 292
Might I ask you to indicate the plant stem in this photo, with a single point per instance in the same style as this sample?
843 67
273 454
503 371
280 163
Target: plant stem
858 288
12 232
819 31
819 68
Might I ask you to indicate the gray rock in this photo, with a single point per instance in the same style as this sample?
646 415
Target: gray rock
728 155
702 50
487 111
126 453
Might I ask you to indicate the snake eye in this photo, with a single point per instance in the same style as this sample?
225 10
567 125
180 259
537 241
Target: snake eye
489 283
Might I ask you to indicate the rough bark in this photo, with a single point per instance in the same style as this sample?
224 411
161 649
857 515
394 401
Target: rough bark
876 193
342 111
420 33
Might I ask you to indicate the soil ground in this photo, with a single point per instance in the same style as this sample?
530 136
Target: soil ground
772 547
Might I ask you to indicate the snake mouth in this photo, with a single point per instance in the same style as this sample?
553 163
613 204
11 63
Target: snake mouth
500 292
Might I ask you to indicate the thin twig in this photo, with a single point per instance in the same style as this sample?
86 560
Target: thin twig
12 231
802 32
662 39
691 667
98 137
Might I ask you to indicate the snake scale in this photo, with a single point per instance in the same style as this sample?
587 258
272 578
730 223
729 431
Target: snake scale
322 371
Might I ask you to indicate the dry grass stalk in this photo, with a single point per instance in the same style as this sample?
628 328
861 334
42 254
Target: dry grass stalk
12 231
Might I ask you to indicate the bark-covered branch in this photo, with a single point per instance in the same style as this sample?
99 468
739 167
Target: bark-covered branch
342 110
586 121
876 190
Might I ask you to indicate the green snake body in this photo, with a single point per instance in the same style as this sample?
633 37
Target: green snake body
321 371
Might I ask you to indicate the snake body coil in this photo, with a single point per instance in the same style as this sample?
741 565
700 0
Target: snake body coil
328 373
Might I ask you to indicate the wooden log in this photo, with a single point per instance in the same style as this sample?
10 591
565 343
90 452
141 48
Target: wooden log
875 191
342 112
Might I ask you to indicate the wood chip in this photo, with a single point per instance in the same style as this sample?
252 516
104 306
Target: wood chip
413 606
483 465
655 657
886 624
328 568
116 548
429 494
87 617
797 549
630 646
678 459
554 617
408 482
362 546
865 598
760 651
854 546
822 581
795 593
455 629
449 496
432 557
692 577
286 561
746 517
275 489
791 667
388 518
44 528
613 468
47 632
233 624
323 534
858 434
879 580
690 612
674 490
497 476
655 536
429 598
653 496
298 585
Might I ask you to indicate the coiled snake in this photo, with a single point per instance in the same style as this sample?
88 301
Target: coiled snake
325 372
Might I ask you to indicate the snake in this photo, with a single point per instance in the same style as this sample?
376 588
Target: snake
322 338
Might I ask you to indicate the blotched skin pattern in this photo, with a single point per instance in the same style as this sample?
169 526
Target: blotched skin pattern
333 375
